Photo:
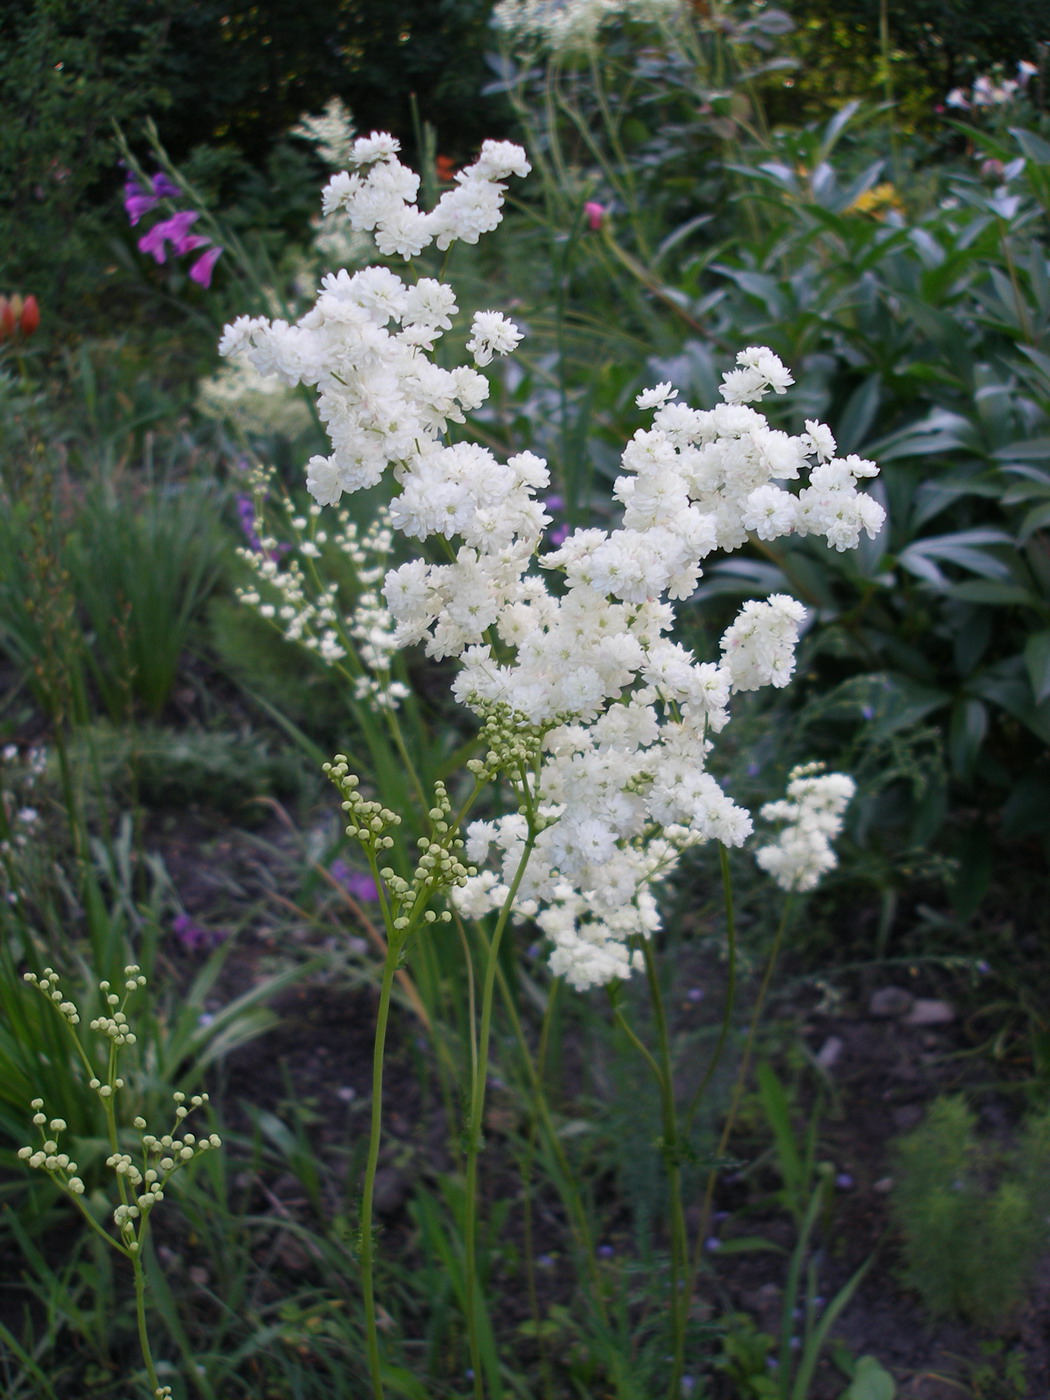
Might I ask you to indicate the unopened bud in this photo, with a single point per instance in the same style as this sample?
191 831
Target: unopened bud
30 317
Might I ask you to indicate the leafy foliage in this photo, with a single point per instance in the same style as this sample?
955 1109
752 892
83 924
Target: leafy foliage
973 1226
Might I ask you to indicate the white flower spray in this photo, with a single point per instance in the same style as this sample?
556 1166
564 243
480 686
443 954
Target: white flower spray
600 723
583 648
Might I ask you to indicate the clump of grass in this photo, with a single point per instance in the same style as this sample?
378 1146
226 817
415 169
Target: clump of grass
974 1220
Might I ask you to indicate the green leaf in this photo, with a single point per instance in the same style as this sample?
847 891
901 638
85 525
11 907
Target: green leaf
870 1382
969 725
1033 450
1034 147
746 1244
1037 663
992 592
1035 519
962 548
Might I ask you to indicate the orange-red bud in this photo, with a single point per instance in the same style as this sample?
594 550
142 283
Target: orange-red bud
30 317
8 320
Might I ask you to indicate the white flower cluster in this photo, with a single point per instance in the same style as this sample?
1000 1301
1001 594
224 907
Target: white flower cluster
565 25
292 596
381 398
256 404
812 816
989 91
331 134
377 195
583 651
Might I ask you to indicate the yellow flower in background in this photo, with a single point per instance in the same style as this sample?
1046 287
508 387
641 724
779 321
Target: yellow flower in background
877 201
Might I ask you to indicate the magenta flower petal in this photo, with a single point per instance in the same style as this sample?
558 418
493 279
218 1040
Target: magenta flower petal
135 205
200 272
173 230
188 244
164 188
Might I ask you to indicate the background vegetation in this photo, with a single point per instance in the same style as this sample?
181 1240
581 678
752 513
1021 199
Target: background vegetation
761 175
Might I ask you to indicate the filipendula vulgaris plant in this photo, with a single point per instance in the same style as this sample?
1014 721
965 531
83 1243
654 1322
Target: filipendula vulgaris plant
142 1176
597 722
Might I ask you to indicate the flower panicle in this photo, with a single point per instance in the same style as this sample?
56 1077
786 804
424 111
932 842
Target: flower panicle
574 642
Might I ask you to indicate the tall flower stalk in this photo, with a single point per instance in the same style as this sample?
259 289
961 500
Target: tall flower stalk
599 724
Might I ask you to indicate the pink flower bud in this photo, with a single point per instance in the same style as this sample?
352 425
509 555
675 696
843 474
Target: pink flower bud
595 213
30 317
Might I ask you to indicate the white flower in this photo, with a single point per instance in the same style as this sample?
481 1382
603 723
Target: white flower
491 334
657 397
759 647
379 146
624 778
812 815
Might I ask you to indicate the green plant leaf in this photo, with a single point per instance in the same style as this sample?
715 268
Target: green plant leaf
870 1382
1037 662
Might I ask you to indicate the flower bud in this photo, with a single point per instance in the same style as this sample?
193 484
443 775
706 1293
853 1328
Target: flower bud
8 320
29 319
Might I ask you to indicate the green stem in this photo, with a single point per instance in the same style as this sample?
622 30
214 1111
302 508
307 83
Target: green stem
367 1243
477 1110
672 1160
741 1077
578 1220
140 1315
727 1014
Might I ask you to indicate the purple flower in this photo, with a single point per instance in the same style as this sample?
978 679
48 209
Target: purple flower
606 1251
844 1181
174 231
695 994
246 512
193 936
356 882
138 201
200 272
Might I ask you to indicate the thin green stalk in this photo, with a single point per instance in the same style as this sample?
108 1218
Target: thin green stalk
727 1014
375 1131
578 1221
741 1079
673 1161
140 1316
477 1110
887 86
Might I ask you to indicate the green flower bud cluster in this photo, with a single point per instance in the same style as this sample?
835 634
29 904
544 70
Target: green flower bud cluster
512 742
47 983
368 821
141 1186
113 1023
438 867
48 1157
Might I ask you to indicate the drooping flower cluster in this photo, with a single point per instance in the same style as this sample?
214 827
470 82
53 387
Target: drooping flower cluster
812 814
304 609
583 651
